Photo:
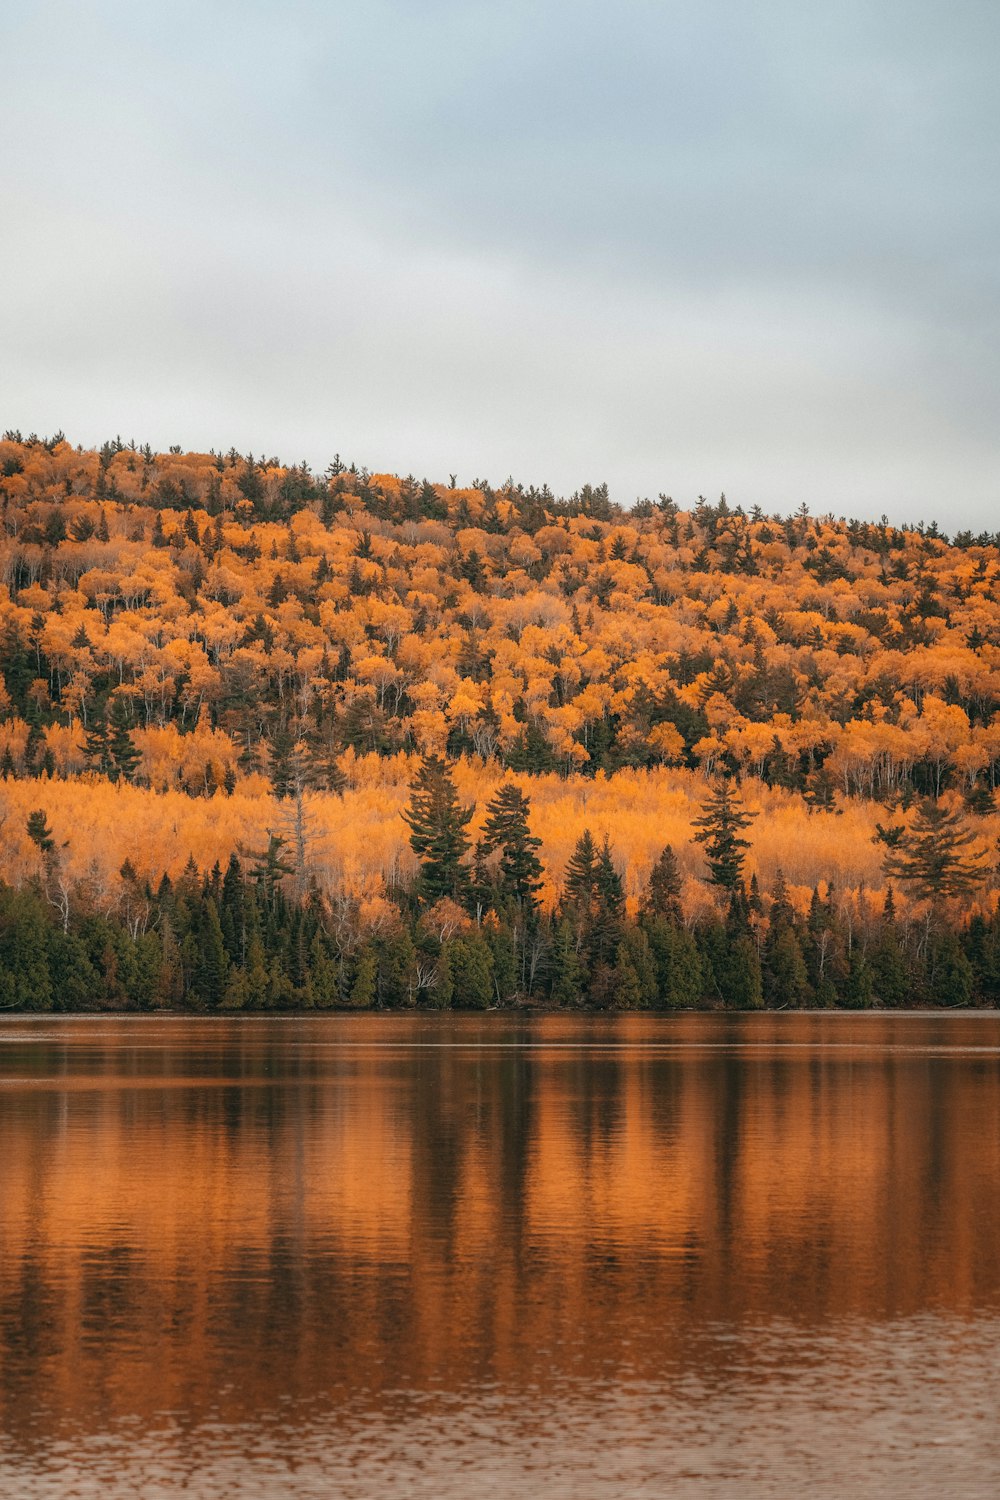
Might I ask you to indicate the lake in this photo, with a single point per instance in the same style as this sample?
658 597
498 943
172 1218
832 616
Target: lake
454 1256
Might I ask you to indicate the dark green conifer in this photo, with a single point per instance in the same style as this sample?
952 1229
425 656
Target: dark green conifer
437 822
120 745
932 855
565 968
721 823
471 965
507 829
663 893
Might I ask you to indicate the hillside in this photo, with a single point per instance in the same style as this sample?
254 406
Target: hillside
203 652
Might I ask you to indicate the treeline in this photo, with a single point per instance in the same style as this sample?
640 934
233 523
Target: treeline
470 932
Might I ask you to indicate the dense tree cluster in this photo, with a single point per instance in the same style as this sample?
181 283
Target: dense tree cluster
271 643
471 935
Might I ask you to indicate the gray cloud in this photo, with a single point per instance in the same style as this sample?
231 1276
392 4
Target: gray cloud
735 247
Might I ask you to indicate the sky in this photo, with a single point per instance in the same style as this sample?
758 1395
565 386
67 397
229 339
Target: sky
683 248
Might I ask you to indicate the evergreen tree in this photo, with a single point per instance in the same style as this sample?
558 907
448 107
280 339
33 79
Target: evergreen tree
269 868
397 962
363 992
120 746
471 965
607 924
40 833
982 947
74 981
443 989
507 829
437 823
932 855
635 986
580 880
97 746
505 968
721 824
322 990
25 980
949 973
663 893
565 968
679 980
859 988
255 968
732 967
286 765
786 981
210 961
785 978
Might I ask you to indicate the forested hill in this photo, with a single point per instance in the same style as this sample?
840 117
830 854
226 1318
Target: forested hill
208 657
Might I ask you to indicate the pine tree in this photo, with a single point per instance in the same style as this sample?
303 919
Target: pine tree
635 972
285 764
321 981
121 747
437 823
40 833
565 968
270 867
663 893
507 829
25 979
97 746
721 823
211 963
679 980
580 880
363 987
471 972
607 925
931 856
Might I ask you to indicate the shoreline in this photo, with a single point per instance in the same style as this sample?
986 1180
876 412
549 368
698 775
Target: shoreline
495 1012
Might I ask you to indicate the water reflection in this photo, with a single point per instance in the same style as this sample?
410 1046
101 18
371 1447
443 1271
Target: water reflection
283 1254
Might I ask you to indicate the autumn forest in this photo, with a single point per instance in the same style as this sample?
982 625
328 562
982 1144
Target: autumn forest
275 739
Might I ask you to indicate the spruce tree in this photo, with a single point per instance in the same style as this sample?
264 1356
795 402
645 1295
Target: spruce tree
635 972
321 979
471 965
121 747
210 962
663 893
564 967
679 980
269 868
437 822
580 880
40 833
363 986
608 923
722 821
97 746
507 829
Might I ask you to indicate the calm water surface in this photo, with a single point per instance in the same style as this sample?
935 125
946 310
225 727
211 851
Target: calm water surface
433 1256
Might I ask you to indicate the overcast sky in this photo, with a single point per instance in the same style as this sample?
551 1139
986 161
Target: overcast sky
735 246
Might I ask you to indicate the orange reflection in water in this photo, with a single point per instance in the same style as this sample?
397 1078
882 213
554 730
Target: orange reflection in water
213 1218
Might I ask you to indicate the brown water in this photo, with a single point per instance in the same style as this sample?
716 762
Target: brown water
434 1256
